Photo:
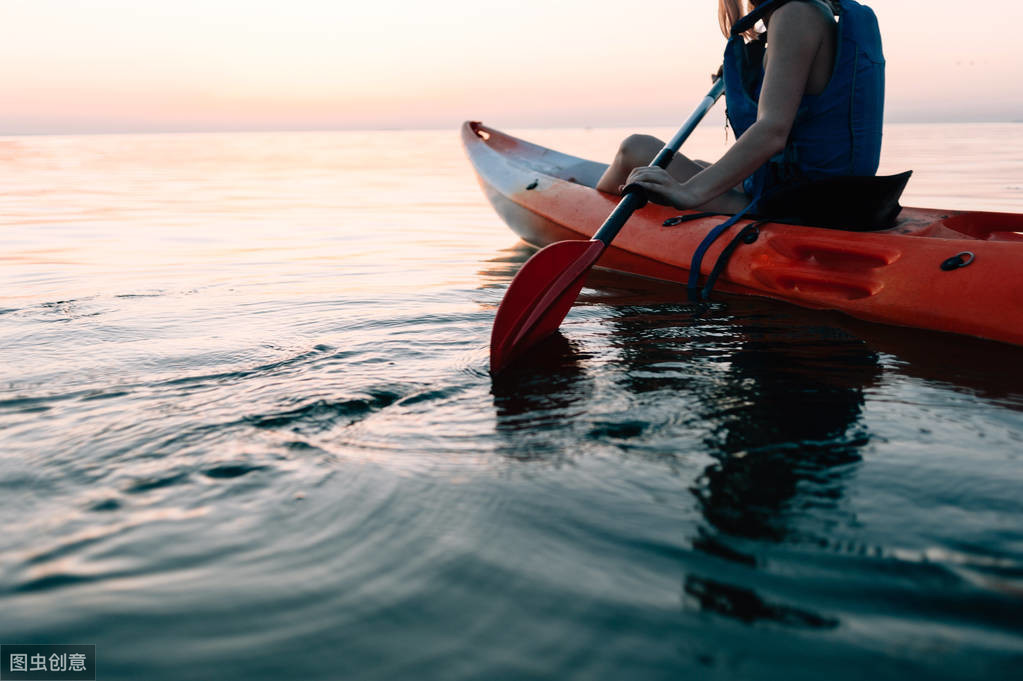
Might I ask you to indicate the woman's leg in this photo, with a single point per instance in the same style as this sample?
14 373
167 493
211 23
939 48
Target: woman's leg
638 150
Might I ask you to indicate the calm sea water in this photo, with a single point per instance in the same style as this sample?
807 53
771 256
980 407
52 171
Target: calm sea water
247 432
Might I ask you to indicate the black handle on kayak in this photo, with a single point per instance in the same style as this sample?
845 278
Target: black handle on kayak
634 200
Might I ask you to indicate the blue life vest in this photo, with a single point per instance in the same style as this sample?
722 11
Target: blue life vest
837 132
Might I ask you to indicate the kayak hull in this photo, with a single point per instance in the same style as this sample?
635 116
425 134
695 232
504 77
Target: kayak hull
892 276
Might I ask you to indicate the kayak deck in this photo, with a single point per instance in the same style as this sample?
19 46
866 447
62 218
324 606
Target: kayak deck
892 276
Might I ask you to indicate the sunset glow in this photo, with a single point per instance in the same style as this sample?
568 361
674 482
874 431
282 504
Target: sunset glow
225 64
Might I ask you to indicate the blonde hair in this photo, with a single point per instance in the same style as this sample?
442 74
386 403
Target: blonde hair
730 11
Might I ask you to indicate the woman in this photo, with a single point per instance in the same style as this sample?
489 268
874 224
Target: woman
805 99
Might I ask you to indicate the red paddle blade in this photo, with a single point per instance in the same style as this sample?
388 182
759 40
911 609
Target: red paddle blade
539 297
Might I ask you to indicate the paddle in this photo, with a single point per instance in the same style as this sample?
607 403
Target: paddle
544 289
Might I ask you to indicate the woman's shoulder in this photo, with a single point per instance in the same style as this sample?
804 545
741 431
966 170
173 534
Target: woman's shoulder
800 16
815 12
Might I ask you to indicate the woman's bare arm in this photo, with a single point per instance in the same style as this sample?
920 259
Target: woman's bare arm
795 33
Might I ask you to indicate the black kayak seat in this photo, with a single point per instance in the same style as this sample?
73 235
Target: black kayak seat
854 203
858 203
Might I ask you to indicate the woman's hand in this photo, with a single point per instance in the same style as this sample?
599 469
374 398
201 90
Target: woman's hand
662 188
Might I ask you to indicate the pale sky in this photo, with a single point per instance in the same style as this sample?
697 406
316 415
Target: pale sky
143 65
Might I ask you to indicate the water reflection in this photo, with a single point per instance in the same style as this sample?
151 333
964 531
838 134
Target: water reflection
966 365
499 270
746 606
783 410
986 369
782 407
779 409
774 396
537 397
789 430
549 378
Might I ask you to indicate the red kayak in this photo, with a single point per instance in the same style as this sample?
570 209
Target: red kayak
945 270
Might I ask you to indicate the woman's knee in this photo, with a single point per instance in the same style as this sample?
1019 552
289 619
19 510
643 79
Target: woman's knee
638 150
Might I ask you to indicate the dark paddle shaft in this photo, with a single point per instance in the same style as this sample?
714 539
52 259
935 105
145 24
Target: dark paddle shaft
635 200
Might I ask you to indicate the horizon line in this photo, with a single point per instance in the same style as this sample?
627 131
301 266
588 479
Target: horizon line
212 130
